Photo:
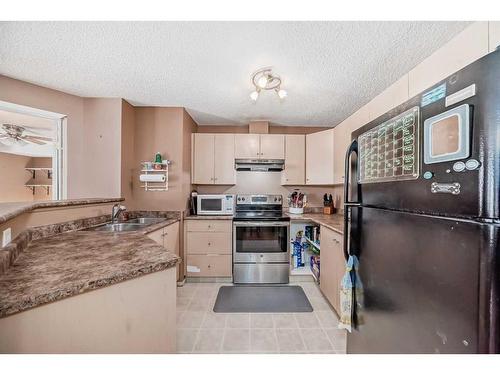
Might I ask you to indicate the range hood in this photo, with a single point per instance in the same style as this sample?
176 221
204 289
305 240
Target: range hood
259 165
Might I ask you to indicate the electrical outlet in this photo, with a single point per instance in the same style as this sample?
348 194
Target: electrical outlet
6 237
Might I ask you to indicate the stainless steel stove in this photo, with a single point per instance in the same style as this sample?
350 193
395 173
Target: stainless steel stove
261 236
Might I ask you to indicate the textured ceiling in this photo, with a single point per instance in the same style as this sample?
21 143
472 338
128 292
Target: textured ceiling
328 68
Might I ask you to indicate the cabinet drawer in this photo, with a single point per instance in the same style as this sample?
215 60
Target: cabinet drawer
208 243
209 265
209 226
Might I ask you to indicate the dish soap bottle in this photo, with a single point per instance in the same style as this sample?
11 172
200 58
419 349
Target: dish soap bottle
158 157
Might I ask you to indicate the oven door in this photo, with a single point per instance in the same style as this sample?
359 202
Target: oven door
261 242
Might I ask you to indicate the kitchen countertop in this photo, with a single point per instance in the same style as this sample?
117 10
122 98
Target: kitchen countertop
11 210
333 222
74 262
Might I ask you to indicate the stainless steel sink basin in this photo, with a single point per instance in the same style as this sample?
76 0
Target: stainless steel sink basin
118 227
146 220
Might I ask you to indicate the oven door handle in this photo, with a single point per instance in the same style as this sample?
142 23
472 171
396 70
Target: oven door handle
261 223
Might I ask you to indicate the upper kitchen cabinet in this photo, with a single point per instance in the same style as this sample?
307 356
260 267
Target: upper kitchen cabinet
319 158
295 160
342 138
213 159
246 146
260 146
272 146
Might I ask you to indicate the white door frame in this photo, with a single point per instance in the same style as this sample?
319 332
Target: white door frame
60 156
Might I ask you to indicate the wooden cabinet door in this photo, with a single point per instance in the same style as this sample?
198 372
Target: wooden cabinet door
272 146
171 237
328 269
295 160
203 159
332 266
319 158
341 138
224 172
246 146
157 236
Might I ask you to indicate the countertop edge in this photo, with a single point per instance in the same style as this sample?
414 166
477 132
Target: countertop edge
89 286
29 207
318 221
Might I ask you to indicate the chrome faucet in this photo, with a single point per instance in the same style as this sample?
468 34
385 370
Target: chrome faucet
117 209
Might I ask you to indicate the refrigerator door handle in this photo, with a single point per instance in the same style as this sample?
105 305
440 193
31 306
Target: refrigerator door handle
353 147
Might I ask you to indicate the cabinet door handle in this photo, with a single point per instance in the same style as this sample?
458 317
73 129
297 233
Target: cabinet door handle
209 244
209 266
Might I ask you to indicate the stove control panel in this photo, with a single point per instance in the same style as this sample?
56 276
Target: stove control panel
390 151
259 199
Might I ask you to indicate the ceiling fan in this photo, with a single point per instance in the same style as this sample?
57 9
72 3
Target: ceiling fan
14 134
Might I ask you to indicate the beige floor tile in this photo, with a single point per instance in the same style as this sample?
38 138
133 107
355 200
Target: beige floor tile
209 341
236 341
316 340
319 304
307 320
182 303
190 319
284 321
199 304
214 320
338 338
261 321
290 341
238 321
327 319
263 341
186 291
185 340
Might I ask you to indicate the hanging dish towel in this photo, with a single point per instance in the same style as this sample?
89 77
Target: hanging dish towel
351 295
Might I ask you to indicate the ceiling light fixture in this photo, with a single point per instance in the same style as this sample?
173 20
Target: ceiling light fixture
265 79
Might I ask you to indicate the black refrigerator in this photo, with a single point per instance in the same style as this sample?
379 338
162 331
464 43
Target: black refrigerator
422 215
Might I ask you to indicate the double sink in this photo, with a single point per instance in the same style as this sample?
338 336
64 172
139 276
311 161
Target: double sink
127 226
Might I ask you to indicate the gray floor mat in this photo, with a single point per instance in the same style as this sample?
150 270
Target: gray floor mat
261 299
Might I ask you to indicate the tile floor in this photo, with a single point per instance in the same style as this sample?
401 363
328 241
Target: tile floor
200 330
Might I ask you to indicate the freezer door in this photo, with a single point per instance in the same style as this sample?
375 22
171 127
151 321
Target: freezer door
421 279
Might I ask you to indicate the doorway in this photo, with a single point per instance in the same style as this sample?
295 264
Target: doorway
32 154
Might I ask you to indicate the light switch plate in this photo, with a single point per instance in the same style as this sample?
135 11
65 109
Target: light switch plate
6 237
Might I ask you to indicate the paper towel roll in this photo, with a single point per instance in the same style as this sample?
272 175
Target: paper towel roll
152 178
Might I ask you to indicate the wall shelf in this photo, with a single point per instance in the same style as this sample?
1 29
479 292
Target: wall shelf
155 185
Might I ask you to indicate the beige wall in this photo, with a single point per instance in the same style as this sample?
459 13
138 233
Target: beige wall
102 141
127 150
23 93
13 176
270 183
168 131
135 316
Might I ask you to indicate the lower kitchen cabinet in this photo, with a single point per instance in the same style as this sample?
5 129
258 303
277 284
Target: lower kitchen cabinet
209 265
208 248
169 238
332 266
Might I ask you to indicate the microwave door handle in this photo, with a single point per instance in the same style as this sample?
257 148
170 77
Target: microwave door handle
353 147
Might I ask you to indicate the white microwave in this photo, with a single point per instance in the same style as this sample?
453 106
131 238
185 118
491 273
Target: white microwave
215 204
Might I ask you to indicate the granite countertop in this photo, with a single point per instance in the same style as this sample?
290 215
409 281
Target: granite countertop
70 263
333 222
10 210
209 217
